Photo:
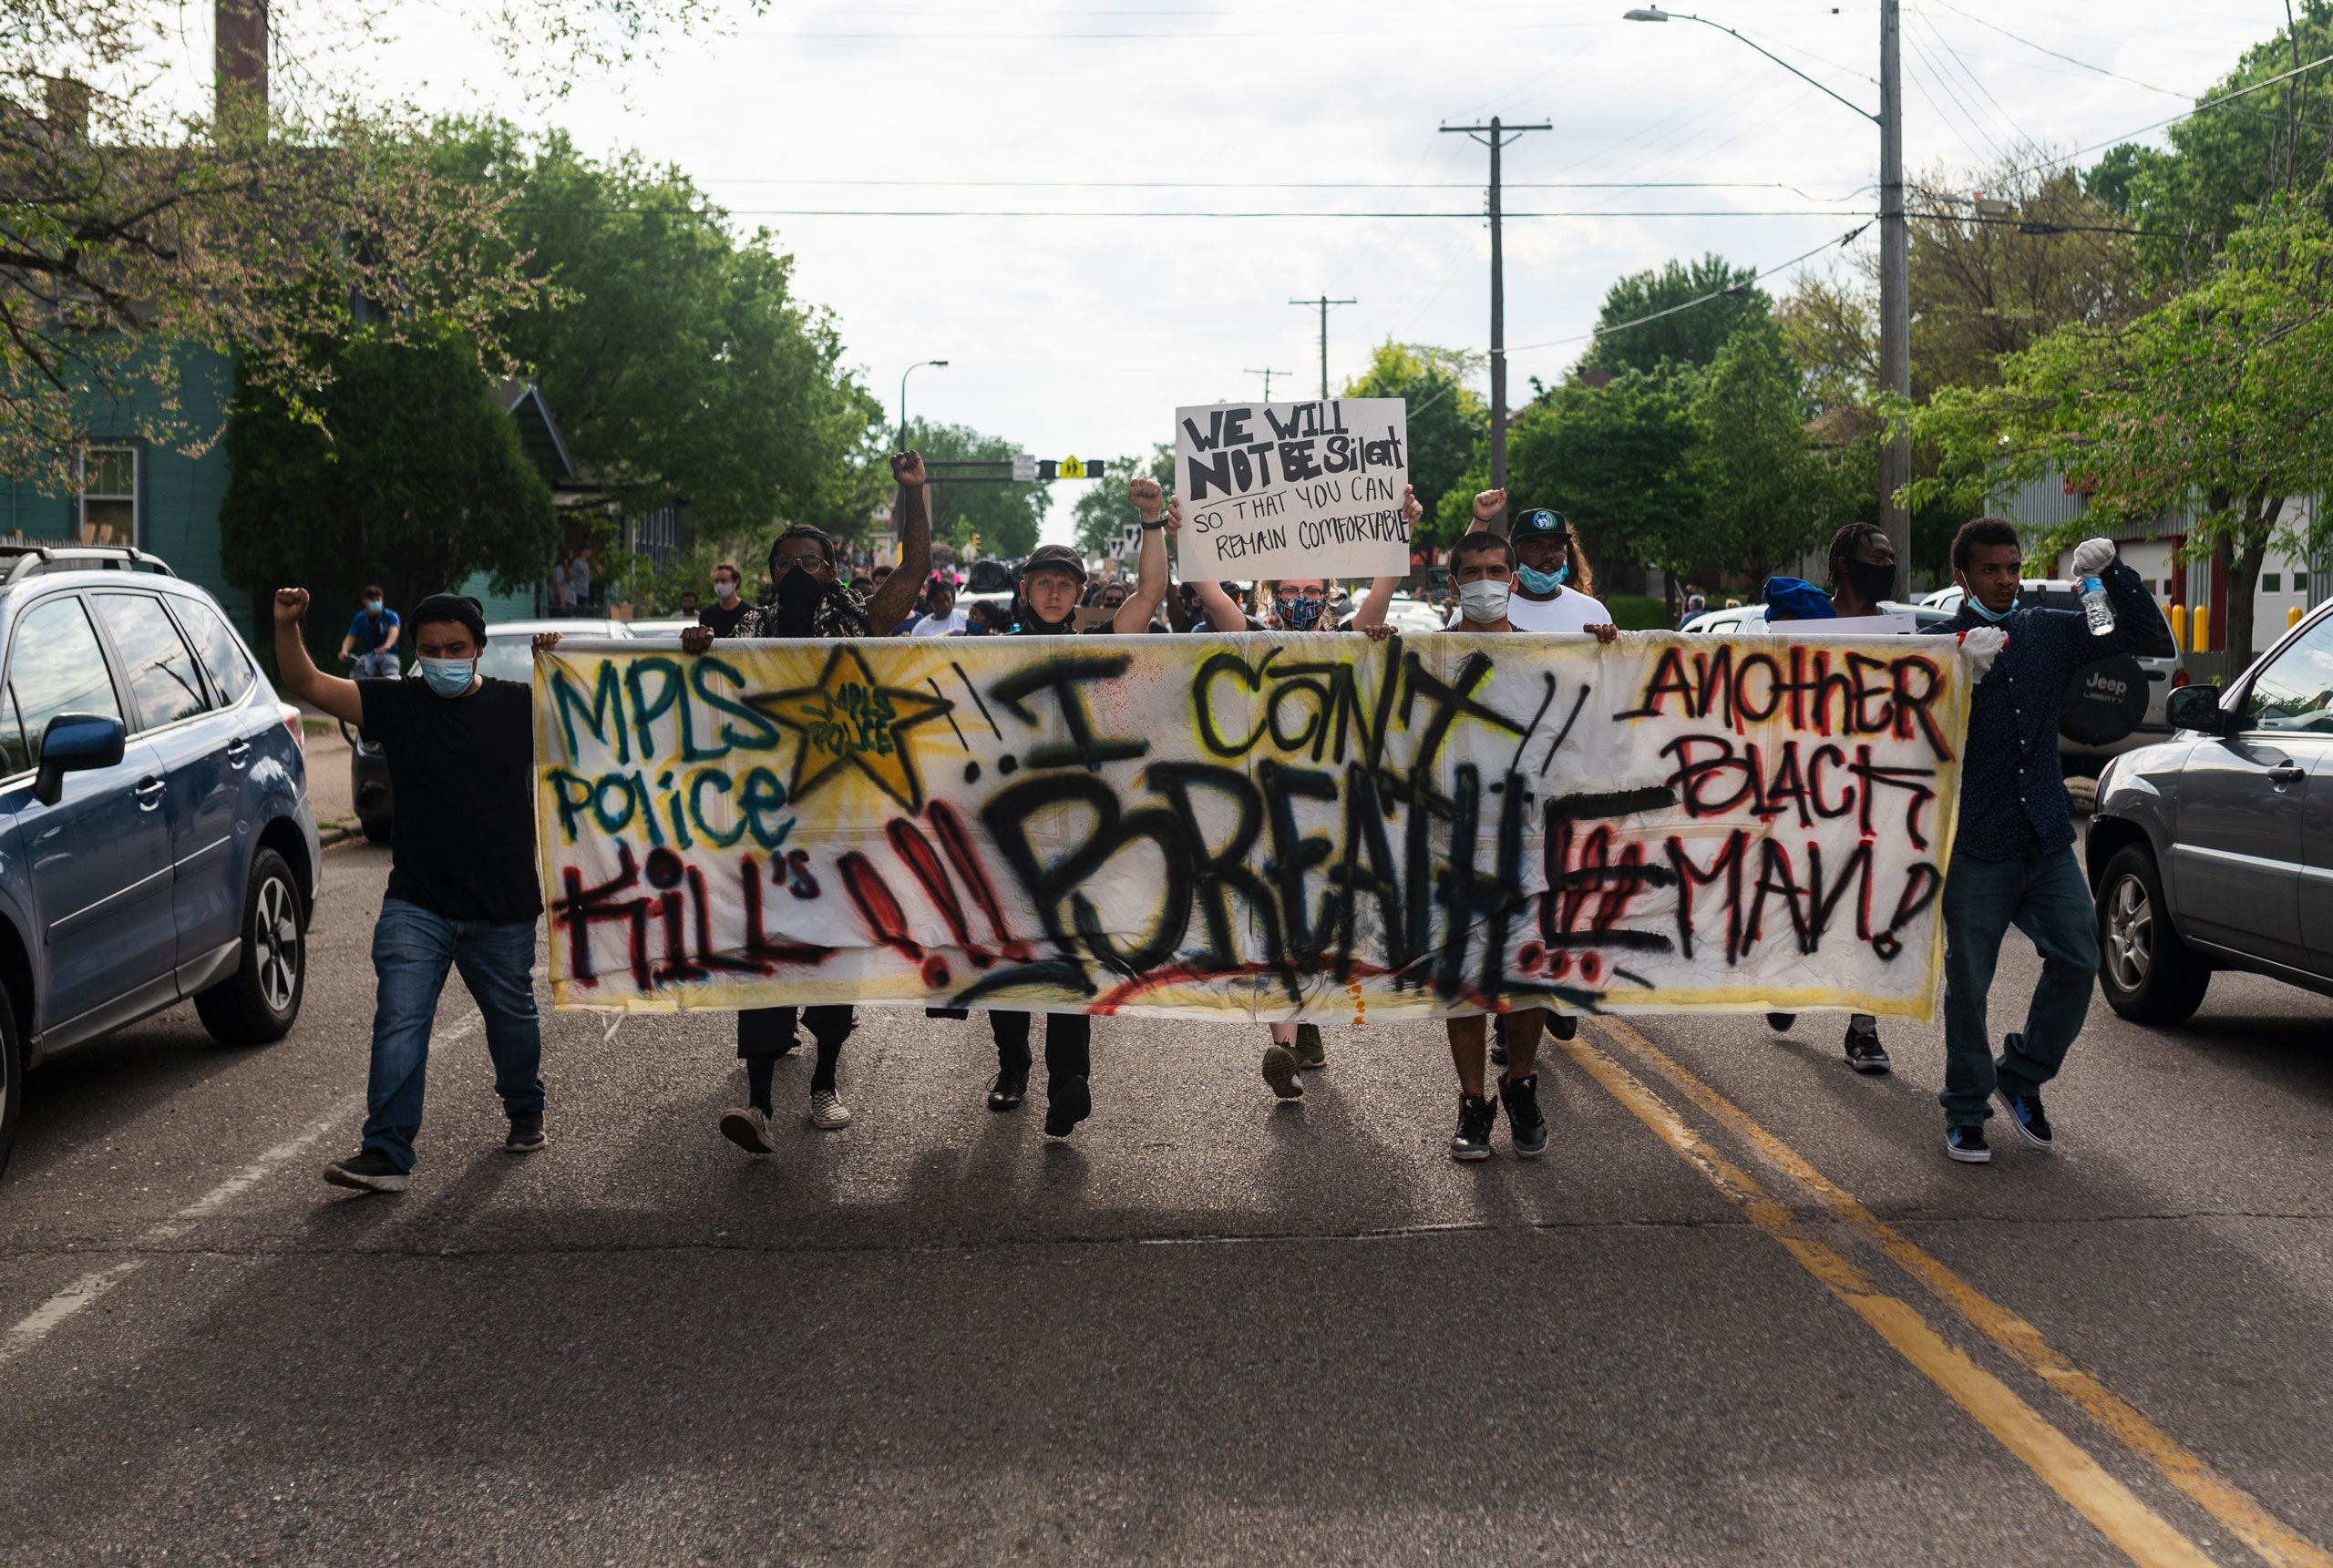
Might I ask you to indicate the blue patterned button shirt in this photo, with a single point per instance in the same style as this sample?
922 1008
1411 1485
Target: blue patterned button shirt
2012 792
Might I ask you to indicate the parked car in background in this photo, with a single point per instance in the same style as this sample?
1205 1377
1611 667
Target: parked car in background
1412 616
2158 665
510 656
1746 619
2214 849
663 626
156 842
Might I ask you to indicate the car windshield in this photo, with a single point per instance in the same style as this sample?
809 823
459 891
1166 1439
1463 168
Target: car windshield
510 658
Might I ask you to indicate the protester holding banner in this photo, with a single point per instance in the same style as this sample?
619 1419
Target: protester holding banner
462 892
1554 589
808 599
1482 565
2012 859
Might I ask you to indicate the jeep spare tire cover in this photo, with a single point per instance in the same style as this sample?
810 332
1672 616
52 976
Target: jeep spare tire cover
2103 702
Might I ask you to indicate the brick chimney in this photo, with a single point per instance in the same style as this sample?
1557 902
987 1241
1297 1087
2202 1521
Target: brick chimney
241 60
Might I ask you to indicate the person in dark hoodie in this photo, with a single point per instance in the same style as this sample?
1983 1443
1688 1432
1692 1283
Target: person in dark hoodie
807 597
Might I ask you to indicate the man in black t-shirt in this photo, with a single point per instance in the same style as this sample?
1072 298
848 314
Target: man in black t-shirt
462 891
728 607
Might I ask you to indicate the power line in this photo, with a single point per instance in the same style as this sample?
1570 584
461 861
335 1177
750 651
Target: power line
2056 55
2173 120
1107 212
1305 184
1843 241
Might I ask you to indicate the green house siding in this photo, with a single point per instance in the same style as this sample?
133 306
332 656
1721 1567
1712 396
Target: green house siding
520 606
177 496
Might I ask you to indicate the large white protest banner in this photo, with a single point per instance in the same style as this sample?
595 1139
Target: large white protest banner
1292 489
1259 826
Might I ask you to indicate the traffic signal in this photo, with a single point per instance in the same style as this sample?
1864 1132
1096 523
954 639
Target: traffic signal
1070 468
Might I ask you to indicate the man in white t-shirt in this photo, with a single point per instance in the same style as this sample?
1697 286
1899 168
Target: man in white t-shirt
944 619
1553 589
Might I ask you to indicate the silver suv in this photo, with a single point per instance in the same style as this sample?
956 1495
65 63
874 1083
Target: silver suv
2213 850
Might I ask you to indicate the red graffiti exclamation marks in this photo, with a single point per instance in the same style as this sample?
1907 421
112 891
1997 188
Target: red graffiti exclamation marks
885 919
958 845
916 850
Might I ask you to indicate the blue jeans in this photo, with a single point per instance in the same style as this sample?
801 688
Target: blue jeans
412 950
377 666
2045 897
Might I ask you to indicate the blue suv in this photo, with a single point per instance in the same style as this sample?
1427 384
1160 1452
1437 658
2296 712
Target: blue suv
156 842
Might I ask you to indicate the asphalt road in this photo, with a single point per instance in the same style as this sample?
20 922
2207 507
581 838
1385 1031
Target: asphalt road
1744 1310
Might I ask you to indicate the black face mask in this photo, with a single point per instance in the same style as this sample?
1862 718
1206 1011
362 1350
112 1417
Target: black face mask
1871 582
798 596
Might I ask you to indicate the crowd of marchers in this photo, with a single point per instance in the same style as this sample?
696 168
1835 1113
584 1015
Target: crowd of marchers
463 893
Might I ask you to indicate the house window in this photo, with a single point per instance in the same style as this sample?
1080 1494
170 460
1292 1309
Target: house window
2271 582
108 495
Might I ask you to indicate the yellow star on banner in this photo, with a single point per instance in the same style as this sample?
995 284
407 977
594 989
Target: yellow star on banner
851 719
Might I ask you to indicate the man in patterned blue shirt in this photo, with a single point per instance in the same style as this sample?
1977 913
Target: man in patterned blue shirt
2012 857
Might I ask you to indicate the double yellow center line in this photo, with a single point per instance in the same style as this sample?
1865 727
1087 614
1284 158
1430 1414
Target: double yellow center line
2144 1535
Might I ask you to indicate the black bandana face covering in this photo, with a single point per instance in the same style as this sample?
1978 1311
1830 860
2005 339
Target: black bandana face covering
799 594
1871 581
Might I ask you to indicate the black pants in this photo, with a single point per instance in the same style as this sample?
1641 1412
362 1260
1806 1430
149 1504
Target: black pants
1069 1038
765 1034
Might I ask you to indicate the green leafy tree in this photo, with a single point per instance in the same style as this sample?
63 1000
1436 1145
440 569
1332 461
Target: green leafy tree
1765 489
2220 400
415 479
1448 424
1620 462
1691 336
1006 517
1104 508
678 361
2225 160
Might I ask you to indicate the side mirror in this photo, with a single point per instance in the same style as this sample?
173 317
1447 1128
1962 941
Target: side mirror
75 742
2196 708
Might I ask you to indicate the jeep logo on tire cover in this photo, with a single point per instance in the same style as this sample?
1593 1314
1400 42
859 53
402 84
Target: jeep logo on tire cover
2103 702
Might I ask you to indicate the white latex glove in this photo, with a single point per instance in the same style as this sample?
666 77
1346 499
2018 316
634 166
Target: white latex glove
1980 645
2091 556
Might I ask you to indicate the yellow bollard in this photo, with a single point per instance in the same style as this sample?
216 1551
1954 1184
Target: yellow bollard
2179 625
2203 629
2292 618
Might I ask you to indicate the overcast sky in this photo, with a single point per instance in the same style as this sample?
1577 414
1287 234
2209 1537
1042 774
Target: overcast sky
1080 334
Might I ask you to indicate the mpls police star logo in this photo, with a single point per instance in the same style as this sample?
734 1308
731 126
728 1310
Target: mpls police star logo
850 719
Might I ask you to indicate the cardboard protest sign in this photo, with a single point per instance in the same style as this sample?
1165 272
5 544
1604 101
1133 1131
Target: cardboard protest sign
1259 826
1292 489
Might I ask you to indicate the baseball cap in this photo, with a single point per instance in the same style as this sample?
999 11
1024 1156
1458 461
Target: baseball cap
1054 558
1540 520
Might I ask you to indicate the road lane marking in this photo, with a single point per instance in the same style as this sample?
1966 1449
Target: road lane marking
43 1320
2272 1539
34 1326
2062 1465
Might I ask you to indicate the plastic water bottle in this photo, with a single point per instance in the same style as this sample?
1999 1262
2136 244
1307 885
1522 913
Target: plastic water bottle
2094 605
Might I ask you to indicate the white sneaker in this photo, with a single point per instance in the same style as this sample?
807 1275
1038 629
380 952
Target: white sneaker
748 1129
827 1112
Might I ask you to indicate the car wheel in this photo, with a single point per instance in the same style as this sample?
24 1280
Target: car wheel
377 829
12 1077
261 1000
2149 975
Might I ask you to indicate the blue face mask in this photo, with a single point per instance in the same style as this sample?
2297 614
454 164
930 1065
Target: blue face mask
372 606
1301 614
450 677
1996 617
1542 581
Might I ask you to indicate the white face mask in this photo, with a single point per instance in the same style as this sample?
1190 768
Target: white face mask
1484 601
724 591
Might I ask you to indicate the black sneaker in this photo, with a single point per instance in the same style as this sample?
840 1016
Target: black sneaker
1967 1145
1068 1101
2025 1113
527 1134
1009 1089
370 1172
1864 1053
1498 1039
1525 1128
1779 1022
1473 1139
1563 1025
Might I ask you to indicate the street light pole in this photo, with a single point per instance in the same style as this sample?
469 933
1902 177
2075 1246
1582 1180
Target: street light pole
1324 305
1895 292
903 394
1495 135
1894 253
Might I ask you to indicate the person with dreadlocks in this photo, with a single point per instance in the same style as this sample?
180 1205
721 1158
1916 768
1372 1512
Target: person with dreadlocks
807 598
1862 572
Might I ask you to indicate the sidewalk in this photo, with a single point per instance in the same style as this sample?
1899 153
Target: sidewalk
328 788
